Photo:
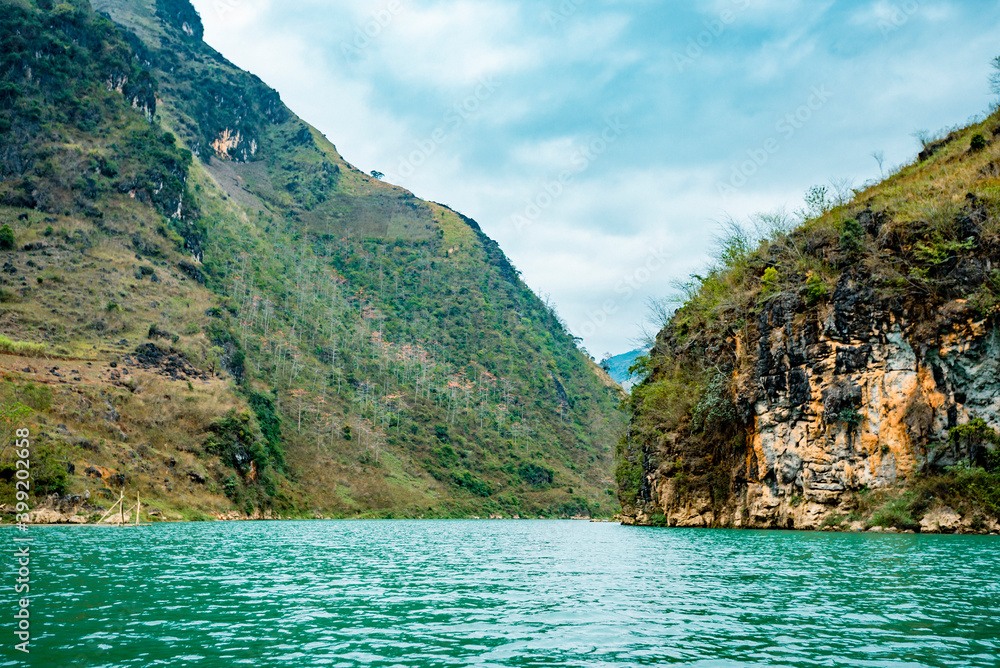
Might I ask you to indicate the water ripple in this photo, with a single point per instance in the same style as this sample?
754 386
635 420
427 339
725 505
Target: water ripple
508 594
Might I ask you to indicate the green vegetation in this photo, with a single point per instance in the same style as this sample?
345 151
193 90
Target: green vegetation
815 290
895 513
535 474
852 238
770 281
970 490
270 426
21 347
303 339
975 438
7 239
850 417
924 241
472 483
237 440
628 475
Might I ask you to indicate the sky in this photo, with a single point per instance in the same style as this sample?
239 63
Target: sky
601 142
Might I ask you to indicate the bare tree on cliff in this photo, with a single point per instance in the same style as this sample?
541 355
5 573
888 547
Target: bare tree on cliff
995 77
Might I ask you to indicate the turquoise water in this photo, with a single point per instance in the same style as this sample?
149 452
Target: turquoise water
505 593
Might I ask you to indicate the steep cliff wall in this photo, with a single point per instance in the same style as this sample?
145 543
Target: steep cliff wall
840 410
831 361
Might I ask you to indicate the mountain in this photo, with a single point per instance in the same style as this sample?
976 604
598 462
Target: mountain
618 366
841 373
204 303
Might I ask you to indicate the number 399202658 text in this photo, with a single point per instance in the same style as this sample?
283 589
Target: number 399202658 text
22 476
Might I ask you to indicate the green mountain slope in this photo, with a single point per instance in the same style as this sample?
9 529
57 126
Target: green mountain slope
237 320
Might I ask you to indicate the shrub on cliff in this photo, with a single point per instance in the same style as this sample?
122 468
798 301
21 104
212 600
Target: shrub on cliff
815 290
852 238
715 408
664 402
270 426
770 281
975 439
476 485
48 473
237 440
628 475
895 513
7 238
962 487
978 485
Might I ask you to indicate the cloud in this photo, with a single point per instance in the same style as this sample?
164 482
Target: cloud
455 44
886 14
894 66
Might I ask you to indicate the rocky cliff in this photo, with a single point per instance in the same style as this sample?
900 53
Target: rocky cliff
835 370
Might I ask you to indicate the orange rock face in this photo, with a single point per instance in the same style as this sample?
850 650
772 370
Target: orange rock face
853 395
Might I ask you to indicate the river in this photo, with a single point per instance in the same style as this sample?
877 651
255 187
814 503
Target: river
504 593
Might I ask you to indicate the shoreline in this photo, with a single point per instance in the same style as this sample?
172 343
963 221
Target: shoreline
869 531
151 522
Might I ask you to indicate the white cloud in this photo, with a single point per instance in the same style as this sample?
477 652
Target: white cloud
892 15
656 186
457 44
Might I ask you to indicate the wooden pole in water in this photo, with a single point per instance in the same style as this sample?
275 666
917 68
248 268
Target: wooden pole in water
137 508
123 506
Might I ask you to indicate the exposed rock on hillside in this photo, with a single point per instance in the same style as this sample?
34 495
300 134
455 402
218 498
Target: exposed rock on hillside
203 301
836 359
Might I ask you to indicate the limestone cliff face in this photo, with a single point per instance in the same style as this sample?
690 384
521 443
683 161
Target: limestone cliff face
817 402
852 396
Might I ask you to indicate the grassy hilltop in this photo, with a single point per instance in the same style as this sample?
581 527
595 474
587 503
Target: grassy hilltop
839 371
227 317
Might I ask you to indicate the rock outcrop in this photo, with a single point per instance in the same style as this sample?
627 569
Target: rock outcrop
813 397
68 509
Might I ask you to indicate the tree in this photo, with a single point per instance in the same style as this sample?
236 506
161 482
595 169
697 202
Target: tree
995 77
817 202
852 238
12 418
977 437
924 137
660 310
7 238
300 400
843 189
377 174
879 158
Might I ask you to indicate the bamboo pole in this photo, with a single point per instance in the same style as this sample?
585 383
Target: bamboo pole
123 507
137 508
110 510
